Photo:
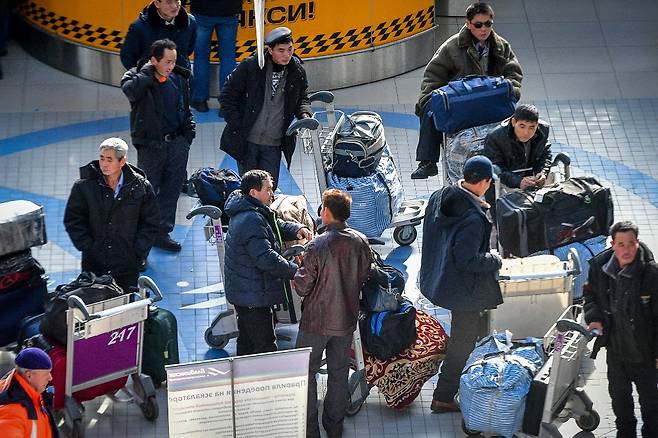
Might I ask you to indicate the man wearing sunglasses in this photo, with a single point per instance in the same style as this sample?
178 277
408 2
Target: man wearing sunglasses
475 50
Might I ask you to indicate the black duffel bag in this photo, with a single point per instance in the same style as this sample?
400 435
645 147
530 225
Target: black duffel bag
386 334
571 211
384 287
213 186
358 145
89 288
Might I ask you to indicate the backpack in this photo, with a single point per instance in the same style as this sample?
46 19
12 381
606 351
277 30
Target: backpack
386 334
213 186
358 145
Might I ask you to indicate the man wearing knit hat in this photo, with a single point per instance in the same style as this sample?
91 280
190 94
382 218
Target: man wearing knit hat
24 404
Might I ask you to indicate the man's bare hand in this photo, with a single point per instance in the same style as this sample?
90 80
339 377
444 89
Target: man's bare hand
540 180
596 326
304 233
527 182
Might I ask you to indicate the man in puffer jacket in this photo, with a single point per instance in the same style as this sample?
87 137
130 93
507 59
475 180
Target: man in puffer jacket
256 275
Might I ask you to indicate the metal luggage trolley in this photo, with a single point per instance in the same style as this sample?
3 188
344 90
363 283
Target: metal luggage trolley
104 343
317 137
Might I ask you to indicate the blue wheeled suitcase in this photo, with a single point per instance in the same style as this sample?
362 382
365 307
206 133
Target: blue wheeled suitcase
472 101
20 303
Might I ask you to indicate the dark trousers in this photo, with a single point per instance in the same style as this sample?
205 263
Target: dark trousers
262 157
621 375
337 397
429 139
165 169
466 328
256 330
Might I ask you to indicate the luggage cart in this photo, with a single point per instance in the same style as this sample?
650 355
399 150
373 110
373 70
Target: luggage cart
566 344
317 136
104 343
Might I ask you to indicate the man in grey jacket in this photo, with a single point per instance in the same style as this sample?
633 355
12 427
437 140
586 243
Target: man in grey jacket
475 50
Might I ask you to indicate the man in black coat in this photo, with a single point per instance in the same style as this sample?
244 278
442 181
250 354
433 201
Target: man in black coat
161 19
256 275
520 147
457 271
111 215
161 128
259 104
621 302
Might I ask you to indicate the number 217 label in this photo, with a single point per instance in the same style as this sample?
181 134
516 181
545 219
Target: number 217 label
121 335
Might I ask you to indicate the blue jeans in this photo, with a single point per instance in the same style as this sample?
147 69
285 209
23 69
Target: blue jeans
227 30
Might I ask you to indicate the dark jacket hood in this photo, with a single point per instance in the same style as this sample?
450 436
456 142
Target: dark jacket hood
455 204
92 171
150 14
238 203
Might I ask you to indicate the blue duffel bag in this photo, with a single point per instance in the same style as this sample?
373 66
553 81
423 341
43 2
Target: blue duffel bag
494 385
472 101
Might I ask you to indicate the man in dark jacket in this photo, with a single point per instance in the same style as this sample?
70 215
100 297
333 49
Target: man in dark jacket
161 128
220 16
520 147
25 406
162 19
259 104
111 215
256 275
457 271
475 50
334 268
621 302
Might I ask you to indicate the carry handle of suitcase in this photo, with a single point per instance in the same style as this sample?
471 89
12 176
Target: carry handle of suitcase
486 82
211 211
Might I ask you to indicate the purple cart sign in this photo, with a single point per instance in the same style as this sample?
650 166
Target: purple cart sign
105 354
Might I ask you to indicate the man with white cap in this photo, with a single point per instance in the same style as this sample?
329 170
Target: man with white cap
258 105
111 215
24 404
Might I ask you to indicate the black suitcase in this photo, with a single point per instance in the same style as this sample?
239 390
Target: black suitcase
534 404
572 211
160 344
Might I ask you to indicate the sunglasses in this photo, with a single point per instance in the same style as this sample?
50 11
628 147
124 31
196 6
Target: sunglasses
479 24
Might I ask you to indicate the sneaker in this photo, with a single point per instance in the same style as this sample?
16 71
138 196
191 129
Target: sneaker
167 243
439 407
201 106
425 170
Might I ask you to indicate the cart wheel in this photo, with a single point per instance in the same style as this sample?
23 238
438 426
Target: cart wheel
468 431
150 409
589 422
405 235
353 383
77 429
215 341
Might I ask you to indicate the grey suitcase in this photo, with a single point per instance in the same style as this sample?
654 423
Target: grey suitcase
22 226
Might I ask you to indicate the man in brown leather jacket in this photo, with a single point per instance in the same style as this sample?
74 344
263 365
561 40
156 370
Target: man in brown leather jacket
334 268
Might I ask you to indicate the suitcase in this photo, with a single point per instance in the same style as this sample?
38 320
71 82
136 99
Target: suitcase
375 198
18 304
472 101
534 406
58 357
571 211
530 307
29 328
463 145
358 145
160 345
22 226
18 269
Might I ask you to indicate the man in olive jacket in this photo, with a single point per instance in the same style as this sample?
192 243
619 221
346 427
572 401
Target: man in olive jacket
334 268
111 215
259 104
621 302
475 50
457 271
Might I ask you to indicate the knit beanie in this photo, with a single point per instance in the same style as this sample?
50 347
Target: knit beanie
33 359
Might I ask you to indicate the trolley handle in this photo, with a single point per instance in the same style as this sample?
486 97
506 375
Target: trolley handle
146 283
307 123
565 325
76 302
548 275
211 211
565 159
326 97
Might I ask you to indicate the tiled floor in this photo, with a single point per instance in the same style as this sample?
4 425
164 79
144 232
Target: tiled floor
590 67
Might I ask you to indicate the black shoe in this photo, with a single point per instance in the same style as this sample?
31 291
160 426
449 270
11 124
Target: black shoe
167 243
143 264
425 170
202 106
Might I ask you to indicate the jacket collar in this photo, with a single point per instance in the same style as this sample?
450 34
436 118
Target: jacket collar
150 14
465 39
336 226
130 172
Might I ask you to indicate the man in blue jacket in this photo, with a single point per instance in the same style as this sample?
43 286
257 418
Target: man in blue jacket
162 19
457 271
256 275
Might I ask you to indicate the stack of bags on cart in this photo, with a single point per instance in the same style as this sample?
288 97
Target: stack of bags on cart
402 346
22 281
362 165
